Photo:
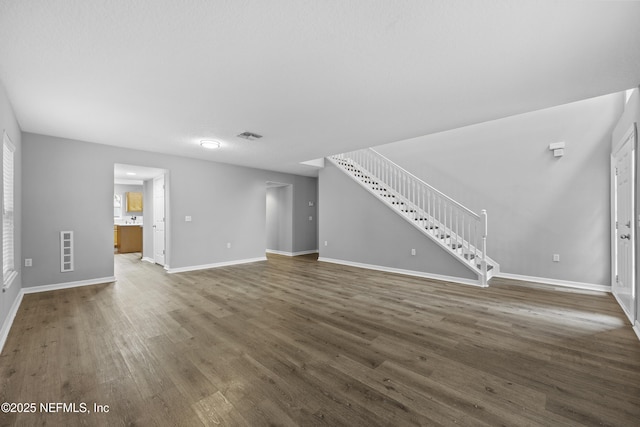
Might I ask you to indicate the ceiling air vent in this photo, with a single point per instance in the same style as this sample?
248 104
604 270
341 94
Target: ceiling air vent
250 136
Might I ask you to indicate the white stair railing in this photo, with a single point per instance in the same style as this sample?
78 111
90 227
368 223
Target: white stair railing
461 230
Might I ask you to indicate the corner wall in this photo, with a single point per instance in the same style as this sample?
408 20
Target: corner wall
538 205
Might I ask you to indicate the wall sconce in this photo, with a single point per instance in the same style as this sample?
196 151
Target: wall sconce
557 148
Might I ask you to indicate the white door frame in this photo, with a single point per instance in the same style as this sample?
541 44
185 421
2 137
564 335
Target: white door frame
161 260
288 211
615 228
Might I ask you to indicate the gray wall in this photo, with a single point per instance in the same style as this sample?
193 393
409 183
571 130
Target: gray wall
631 115
147 219
279 207
9 124
360 228
68 185
305 232
538 205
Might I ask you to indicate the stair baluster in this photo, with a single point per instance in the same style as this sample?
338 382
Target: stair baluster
462 232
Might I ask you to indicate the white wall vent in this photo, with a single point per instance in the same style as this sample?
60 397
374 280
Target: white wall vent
250 136
66 251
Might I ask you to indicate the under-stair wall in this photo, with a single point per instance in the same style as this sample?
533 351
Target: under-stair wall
538 205
360 230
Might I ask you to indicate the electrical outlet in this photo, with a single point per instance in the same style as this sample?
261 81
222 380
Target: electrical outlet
28 262
413 252
325 243
310 218
228 245
310 203
556 257
187 218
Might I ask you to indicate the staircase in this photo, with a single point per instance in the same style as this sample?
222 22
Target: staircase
457 229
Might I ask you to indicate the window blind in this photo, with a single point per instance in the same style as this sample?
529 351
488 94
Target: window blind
8 262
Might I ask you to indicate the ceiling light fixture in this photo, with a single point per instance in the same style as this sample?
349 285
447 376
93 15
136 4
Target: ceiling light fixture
131 173
210 144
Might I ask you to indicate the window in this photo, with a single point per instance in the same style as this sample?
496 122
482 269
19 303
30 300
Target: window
8 261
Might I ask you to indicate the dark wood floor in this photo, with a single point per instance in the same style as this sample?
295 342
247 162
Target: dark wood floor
299 342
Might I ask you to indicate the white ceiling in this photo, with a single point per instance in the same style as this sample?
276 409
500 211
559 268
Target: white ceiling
133 174
313 77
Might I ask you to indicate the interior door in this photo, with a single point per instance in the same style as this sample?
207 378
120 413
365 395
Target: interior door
158 220
623 286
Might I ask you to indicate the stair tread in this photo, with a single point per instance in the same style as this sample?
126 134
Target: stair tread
462 249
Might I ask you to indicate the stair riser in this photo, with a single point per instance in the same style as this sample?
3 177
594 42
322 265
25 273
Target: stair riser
446 238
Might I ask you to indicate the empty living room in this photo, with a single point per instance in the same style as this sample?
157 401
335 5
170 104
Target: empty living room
320 213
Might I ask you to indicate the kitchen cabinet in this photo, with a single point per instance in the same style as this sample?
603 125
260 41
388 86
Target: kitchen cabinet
128 238
134 202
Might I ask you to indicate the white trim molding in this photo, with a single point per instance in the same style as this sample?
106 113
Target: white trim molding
636 328
8 322
147 259
555 282
67 285
273 251
422 274
624 309
214 265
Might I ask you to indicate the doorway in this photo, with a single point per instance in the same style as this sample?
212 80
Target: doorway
134 230
279 218
623 168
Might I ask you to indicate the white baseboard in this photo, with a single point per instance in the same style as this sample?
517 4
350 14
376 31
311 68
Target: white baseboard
8 322
636 328
273 251
214 265
6 327
147 259
555 282
67 285
459 280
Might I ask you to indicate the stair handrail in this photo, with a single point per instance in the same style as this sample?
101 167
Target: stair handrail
435 190
404 184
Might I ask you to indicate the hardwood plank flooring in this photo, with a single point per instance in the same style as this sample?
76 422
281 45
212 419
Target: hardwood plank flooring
293 341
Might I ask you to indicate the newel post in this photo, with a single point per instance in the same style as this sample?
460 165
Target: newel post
483 263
